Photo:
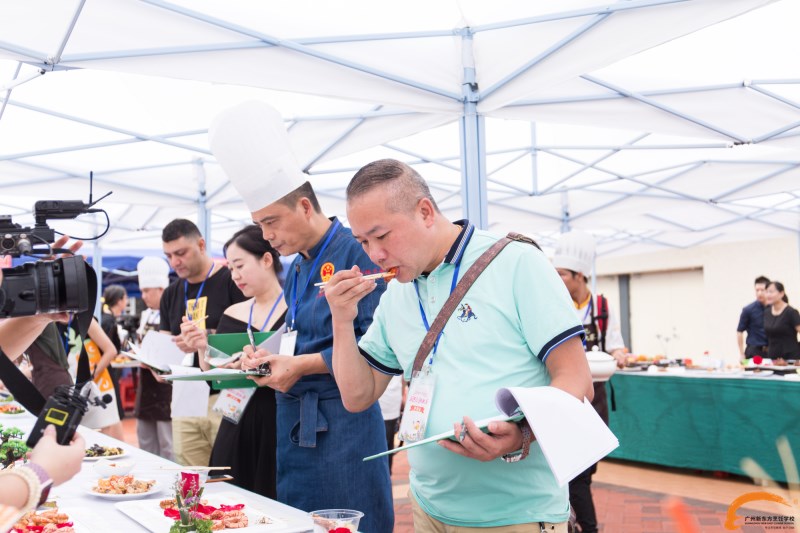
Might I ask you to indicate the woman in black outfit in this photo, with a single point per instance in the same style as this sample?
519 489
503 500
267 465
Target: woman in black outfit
249 446
781 323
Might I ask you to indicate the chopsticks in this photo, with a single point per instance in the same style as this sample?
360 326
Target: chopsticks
379 275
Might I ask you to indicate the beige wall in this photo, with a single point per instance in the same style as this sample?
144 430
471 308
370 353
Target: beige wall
698 291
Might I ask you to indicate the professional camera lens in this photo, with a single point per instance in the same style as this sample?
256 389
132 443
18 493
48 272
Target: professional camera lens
48 287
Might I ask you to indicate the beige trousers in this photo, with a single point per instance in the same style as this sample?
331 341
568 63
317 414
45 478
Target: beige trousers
423 523
193 436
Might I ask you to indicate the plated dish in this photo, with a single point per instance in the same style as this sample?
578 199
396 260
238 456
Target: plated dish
12 409
96 451
122 488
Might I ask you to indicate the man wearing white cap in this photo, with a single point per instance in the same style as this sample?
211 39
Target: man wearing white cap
154 420
320 444
573 259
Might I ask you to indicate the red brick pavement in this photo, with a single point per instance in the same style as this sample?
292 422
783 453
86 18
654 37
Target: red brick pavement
619 509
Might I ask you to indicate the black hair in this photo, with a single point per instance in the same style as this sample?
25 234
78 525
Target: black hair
303 191
251 240
761 280
113 294
407 186
180 227
779 287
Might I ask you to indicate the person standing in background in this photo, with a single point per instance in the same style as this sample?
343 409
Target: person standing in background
573 259
781 323
202 293
152 410
752 321
115 300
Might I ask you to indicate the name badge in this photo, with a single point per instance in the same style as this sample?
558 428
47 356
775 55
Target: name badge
232 403
288 342
418 406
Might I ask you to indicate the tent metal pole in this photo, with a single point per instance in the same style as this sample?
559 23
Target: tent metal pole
203 218
534 161
472 129
565 212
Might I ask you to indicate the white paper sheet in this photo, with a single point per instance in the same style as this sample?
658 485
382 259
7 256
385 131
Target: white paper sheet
571 434
189 398
158 351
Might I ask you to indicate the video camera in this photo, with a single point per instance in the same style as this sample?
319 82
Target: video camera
47 286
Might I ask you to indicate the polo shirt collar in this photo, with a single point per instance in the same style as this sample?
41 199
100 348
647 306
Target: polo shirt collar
456 251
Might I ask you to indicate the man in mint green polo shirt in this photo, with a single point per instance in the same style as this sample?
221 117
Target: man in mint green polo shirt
515 327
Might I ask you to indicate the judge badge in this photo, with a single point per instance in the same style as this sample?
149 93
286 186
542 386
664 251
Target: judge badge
326 272
418 406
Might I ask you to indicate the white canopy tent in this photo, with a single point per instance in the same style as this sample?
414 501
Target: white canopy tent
533 116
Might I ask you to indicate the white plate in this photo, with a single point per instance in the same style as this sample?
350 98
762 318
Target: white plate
149 514
15 404
155 489
118 456
792 377
762 374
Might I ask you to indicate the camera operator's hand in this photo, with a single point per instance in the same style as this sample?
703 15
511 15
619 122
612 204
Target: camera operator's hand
62 241
60 462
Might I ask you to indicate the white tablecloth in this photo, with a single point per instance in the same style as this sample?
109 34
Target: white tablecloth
92 514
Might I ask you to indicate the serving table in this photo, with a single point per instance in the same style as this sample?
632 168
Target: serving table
92 513
706 421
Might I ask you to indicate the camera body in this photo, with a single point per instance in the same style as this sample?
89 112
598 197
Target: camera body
43 286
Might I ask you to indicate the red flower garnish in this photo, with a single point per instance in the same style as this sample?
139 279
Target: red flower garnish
339 530
757 359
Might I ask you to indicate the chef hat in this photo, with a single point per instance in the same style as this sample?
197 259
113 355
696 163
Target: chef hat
153 273
575 251
250 143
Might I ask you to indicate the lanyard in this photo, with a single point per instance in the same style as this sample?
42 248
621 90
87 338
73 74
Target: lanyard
311 272
199 292
422 310
250 320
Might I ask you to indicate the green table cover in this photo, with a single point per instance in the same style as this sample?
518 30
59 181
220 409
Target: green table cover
705 423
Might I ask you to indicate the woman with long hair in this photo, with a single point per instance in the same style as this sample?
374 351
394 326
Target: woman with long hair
781 323
248 447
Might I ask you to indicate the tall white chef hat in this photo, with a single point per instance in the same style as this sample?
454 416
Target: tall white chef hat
153 273
251 144
575 251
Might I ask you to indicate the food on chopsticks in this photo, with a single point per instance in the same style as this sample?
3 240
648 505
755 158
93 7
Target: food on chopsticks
11 409
103 451
123 485
44 521
387 276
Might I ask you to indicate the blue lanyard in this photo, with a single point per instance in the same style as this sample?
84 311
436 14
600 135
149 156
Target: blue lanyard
422 310
250 320
189 315
311 272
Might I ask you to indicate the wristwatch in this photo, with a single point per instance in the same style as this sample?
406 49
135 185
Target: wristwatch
44 479
527 437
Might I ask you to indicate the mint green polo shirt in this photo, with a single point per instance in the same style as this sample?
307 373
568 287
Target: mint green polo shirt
520 311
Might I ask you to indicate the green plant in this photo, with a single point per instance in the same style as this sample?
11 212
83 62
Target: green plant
12 447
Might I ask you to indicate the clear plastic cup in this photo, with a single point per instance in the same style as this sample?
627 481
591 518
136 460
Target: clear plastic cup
331 520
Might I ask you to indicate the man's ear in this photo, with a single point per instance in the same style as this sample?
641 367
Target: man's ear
201 243
426 211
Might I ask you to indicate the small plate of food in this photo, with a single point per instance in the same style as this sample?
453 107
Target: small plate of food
122 488
12 409
96 451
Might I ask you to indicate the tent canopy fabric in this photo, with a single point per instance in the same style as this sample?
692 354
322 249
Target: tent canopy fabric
611 118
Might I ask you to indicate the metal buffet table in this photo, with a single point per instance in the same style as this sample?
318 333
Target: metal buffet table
705 421
92 514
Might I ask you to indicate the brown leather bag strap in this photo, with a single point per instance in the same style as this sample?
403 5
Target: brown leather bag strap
458 294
